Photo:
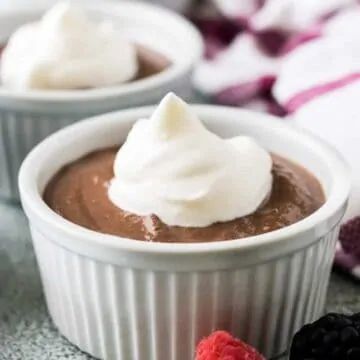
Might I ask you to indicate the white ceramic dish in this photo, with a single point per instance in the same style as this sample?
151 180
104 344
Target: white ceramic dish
28 117
10 5
118 298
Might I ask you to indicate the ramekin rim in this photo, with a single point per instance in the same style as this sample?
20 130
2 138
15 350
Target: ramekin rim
174 71
334 202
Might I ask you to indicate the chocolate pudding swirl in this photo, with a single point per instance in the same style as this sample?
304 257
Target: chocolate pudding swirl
78 192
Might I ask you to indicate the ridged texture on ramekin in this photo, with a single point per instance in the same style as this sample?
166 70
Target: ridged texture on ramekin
116 312
19 133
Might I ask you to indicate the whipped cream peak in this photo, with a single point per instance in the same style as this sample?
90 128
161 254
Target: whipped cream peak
173 117
66 49
172 166
64 16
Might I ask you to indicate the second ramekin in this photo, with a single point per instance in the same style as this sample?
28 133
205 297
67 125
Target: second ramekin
119 298
28 117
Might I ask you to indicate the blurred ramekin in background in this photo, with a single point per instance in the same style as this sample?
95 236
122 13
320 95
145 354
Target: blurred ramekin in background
176 5
118 298
28 117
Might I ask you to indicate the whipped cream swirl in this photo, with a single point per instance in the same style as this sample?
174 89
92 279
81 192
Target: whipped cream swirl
172 166
67 50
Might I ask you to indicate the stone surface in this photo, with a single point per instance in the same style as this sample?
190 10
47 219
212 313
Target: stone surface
26 332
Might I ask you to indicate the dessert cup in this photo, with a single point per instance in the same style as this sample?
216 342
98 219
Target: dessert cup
118 298
29 116
177 5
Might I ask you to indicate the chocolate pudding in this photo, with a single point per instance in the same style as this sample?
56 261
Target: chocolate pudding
150 61
78 192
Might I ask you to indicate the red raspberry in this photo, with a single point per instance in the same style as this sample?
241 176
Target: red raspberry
349 236
220 345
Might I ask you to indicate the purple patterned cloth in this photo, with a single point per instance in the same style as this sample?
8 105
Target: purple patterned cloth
296 59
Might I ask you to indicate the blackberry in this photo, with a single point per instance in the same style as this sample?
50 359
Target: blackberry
332 337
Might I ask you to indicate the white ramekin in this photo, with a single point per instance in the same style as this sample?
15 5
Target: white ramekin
118 298
176 5
28 117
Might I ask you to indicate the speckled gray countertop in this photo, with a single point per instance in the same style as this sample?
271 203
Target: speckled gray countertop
26 332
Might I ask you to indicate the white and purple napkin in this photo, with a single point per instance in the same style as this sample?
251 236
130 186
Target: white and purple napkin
298 59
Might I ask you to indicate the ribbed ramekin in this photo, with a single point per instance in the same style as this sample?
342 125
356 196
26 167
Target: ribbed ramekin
119 298
28 117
